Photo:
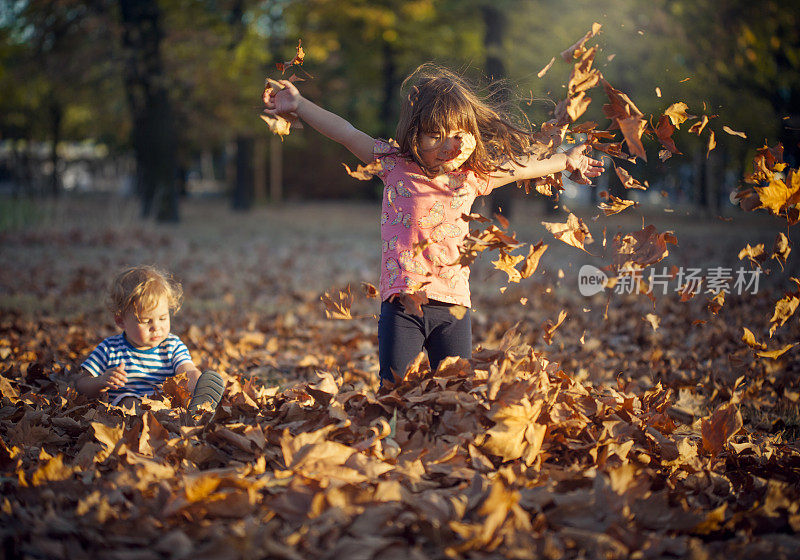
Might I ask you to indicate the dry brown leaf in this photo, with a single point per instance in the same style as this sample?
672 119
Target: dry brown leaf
632 129
507 264
734 132
614 205
576 50
641 248
544 70
532 260
369 290
698 127
458 311
337 303
716 302
549 328
785 308
718 428
573 232
515 433
296 61
677 113
712 142
365 172
628 181
277 124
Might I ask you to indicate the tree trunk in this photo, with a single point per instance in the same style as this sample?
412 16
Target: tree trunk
260 180
495 24
154 137
56 118
275 169
700 180
243 190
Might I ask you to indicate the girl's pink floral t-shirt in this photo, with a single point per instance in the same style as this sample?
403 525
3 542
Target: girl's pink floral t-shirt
422 228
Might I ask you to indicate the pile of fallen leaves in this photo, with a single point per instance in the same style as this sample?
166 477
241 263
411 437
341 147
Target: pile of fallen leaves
502 456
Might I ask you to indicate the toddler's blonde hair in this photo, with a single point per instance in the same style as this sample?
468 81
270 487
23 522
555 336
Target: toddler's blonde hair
140 288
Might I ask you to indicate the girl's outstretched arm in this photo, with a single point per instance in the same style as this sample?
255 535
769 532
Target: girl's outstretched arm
288 100
572 160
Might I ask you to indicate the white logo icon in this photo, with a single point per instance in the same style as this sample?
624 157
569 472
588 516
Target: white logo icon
591 280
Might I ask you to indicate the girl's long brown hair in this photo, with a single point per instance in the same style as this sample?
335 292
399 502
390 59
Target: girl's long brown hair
440 101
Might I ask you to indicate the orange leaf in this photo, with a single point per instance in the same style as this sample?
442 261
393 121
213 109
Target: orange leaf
750 339
712 142
777 352
785 308
337 306
198 488
574 232
642 248
515 431
716 302
458 311
507 264
532 260
576 50
776 195
365 172
698 127
718 428
299 56
632 129
755 254
614 205
664 131
677 113
277 124
52 470
549 328
620 106
369 290
733 132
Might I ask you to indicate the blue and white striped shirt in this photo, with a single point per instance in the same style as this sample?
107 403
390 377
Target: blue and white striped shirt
146 369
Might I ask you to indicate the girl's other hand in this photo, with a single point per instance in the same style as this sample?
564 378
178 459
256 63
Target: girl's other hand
114 378
582 165
283 102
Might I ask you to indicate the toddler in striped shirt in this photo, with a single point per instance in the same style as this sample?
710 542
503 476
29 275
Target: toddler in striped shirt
135 362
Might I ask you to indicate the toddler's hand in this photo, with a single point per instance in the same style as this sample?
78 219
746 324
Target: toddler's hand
283 102
582 166
114 378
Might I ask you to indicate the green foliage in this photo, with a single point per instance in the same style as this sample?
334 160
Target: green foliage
742 62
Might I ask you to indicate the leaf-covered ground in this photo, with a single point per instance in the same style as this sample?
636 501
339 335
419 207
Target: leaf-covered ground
642 430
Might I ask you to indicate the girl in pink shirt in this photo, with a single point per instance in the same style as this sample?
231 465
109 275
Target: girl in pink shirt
452 146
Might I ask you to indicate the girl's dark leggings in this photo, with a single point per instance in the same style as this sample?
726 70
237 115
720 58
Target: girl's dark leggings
402 336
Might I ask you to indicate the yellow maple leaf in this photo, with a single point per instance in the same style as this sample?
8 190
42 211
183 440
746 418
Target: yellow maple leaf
775 196
677 113
516 433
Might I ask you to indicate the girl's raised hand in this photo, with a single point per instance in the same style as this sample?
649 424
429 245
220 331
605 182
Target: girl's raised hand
282 98
582 165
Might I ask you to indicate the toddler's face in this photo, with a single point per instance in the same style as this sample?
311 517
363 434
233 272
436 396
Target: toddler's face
443 153
149 329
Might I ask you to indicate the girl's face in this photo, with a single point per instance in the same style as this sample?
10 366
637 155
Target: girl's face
149 329
443 153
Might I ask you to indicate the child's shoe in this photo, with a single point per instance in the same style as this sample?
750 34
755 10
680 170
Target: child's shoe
209 388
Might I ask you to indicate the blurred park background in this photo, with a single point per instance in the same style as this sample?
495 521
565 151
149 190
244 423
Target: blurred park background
157 100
